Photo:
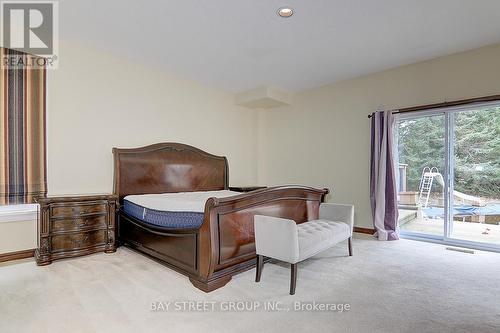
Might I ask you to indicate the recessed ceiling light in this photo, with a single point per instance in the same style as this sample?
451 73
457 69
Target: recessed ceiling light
285 12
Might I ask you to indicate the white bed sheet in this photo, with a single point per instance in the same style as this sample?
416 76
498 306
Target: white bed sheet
178 202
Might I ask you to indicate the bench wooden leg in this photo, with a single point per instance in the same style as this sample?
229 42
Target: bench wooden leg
349 244
293 279
259 266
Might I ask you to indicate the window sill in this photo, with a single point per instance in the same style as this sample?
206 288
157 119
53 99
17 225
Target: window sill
18 213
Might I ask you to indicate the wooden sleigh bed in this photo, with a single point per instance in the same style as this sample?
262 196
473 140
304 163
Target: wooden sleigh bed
224 244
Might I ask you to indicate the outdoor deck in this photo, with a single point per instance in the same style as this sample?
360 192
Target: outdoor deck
477 232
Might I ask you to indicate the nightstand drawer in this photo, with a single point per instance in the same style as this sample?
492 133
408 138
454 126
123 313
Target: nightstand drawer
78 210
70 226
79 223
78 240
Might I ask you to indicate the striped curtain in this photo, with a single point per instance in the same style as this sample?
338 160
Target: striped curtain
22 131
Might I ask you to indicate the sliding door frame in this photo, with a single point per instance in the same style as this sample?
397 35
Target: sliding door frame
449 115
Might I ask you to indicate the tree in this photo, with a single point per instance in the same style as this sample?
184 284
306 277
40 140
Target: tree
476 150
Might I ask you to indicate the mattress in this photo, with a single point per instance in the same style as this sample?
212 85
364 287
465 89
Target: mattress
182 210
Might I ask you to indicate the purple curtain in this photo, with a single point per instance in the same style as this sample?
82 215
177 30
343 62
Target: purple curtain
383 193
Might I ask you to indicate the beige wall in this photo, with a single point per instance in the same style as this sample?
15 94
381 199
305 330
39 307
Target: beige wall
97 101
323 139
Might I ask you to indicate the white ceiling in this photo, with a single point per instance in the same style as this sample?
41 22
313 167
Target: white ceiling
242 44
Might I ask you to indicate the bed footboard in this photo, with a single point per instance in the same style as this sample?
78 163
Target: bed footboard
226 238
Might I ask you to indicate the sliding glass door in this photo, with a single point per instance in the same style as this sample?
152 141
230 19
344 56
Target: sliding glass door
422 152
475 175
449 175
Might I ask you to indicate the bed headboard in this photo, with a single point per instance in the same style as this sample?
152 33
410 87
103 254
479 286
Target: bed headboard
167 167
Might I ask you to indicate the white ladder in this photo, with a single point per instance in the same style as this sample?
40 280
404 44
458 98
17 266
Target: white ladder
425 186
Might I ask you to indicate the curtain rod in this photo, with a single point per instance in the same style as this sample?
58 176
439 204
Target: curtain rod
447 104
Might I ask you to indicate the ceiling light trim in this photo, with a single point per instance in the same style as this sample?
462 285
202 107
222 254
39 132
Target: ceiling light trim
285 12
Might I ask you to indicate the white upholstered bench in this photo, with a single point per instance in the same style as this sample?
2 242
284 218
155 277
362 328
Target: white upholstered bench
285 240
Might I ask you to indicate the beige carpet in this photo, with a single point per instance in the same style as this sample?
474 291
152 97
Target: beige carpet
402 286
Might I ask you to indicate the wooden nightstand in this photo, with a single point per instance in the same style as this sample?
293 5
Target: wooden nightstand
245 188
75 225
